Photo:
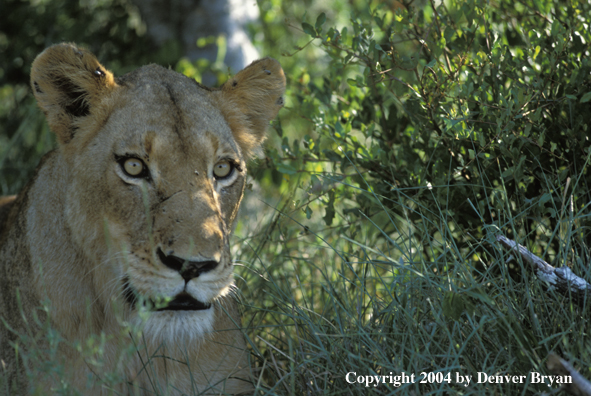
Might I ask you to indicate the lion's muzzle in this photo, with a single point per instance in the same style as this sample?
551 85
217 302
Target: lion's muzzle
187 269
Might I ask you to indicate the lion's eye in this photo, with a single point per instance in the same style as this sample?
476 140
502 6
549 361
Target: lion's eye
134 167
222 169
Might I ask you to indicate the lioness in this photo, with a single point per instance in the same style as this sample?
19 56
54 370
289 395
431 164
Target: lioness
132 212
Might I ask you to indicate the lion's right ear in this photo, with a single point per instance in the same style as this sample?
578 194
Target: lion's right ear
68 83
250 100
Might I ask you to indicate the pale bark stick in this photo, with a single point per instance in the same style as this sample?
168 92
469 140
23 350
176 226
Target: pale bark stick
559 366
560 279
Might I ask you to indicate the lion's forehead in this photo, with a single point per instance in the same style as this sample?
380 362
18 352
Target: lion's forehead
159 88
162 110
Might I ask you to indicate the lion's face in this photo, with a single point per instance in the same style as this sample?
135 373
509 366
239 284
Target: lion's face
167 190
156 169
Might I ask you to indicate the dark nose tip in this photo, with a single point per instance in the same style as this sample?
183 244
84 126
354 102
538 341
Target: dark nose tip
187 269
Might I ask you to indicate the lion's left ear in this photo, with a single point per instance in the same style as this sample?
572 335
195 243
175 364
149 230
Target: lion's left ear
69 83
250 100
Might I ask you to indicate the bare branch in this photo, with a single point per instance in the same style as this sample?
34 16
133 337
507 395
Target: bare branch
561 279
559 366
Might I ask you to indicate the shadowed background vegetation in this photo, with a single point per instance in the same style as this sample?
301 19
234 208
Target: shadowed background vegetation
413 134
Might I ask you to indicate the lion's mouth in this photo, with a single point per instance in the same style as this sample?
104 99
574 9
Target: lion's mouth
184 302
181 302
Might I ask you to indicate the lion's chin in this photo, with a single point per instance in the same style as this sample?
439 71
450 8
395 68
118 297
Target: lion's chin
176 327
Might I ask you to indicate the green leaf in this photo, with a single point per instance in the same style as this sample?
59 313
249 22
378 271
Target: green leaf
309 29
330 212
481 139
527 130
308 212
286 169
586 98
320 21
544 198
332 155
379 21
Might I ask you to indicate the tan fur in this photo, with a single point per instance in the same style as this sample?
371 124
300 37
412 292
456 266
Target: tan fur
83 228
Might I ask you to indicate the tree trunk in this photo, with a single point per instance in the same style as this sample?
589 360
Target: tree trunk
188 20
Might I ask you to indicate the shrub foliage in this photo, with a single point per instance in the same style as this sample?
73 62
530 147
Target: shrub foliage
423 130
457 112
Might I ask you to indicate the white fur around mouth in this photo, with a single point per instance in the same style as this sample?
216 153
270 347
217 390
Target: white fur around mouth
176 327
181 302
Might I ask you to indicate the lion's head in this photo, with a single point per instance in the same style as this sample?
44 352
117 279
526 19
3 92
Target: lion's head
156 170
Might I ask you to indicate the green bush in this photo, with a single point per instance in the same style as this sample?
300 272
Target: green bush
463 110
415 133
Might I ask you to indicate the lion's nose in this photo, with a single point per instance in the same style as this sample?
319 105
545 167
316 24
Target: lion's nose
187 269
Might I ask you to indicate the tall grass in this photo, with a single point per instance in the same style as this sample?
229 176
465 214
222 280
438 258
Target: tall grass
324 302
